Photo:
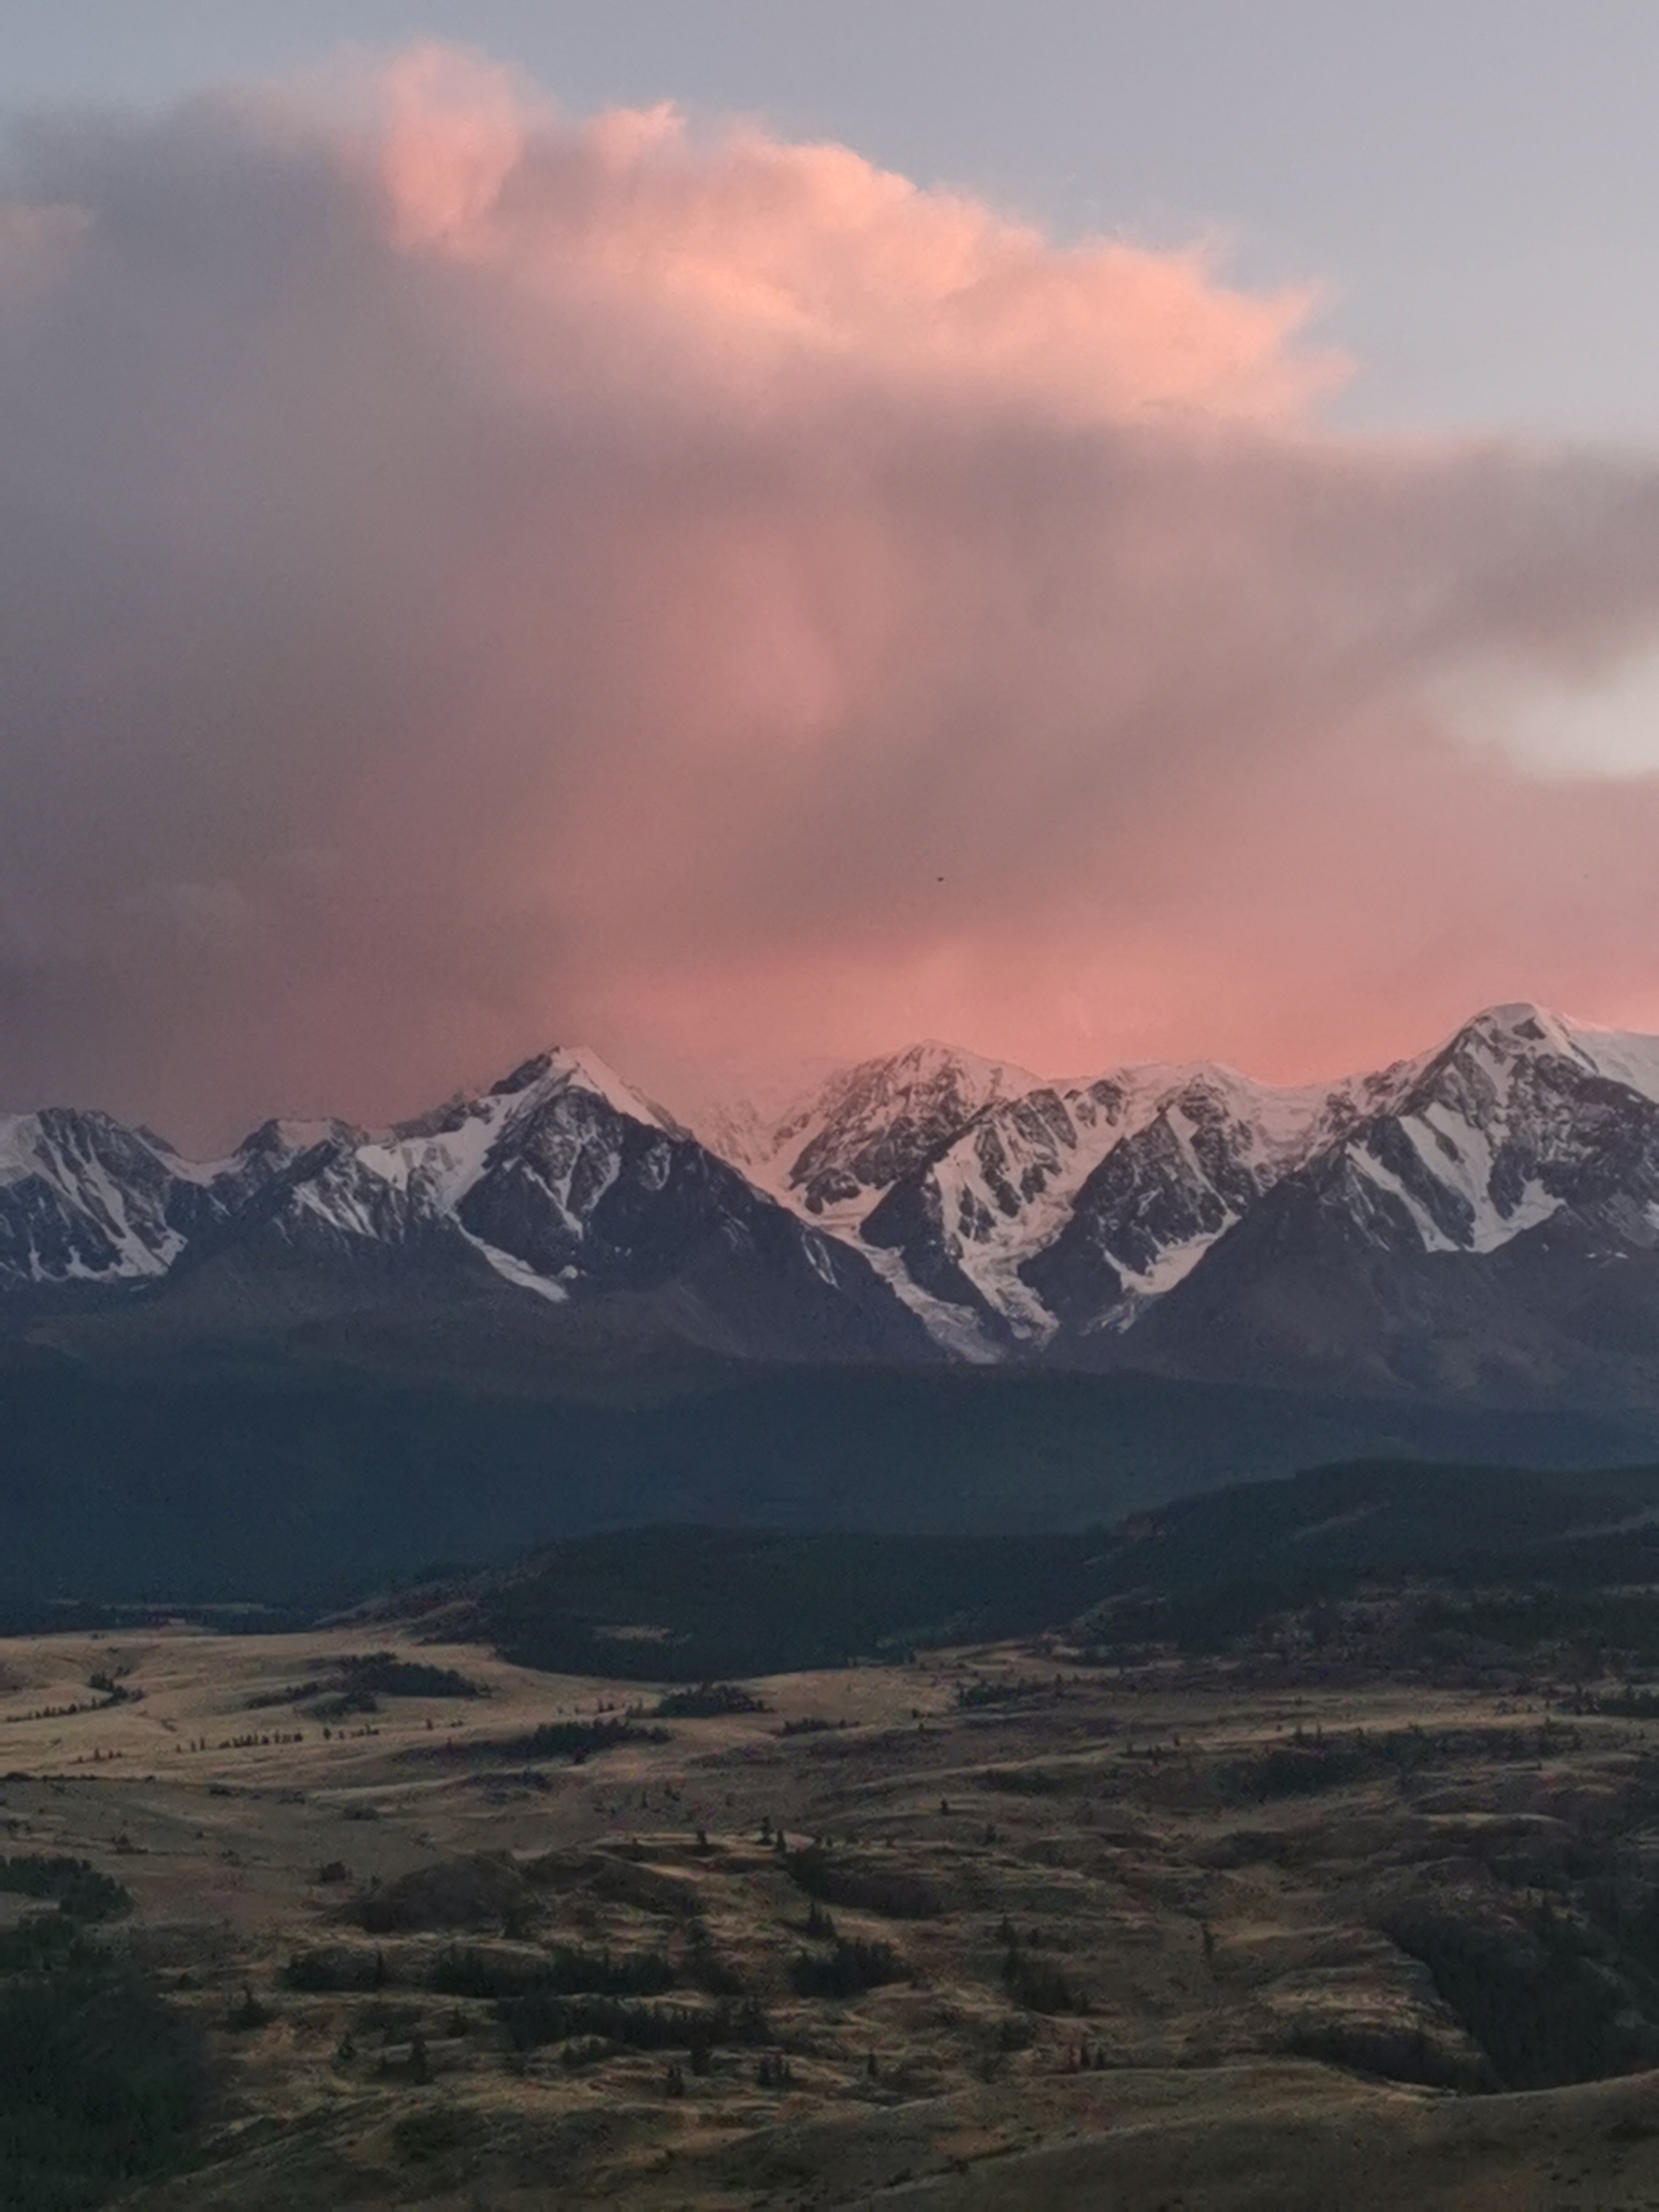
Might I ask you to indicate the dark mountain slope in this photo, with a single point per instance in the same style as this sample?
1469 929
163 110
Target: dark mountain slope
1196 1571
1494 1239
181 1481
557 1190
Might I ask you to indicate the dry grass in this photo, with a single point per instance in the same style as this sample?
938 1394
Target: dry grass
1098 1833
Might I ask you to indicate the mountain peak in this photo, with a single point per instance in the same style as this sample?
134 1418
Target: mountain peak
927 1069
872 1122
929 1053
1005 1214
1519 1021
576 1069
1520 1028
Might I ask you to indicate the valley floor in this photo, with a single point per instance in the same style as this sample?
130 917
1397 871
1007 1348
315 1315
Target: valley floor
1036 1934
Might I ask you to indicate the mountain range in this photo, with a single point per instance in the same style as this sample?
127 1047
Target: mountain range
936 1294
1476 1225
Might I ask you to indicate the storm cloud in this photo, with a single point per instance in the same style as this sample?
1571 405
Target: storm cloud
470 577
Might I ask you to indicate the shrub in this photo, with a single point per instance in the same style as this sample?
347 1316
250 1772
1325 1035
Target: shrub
586 2050
1297 1770
847 1971
976 1696
385 1674
247 2014
861 1886
263 1700
101 2082
77 1887
543 2017
484 1891
392 2022
565 1972
707 1702
576 1741
435 2132
706 1970
343 1704
1039 1986
1541 2003
40 1944
337 1966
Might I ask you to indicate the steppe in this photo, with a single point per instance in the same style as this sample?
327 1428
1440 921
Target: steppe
994 1929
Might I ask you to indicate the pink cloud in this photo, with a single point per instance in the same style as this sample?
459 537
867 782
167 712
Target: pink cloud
469 577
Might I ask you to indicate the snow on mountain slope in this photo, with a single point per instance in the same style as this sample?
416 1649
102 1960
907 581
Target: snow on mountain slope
562 1109
927 1196
1461 1149
742 1132
959 1173
1098 1195
834 1153
84 1200
570 1185
1492 1232
1000 1211
1519 1115
1619 1054
422 1173
88 1203
561 1179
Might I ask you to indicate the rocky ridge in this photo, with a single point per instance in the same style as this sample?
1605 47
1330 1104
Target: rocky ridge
1480 1216
558 1182
1482 1219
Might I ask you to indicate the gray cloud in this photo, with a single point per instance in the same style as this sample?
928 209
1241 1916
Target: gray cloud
466 579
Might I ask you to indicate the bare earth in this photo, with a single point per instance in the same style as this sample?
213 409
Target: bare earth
1128 1980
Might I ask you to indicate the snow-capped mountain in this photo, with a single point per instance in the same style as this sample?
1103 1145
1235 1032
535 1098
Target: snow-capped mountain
1002 1207
84 1200
1493 1229
1077 1202
560 1181
1141 1218
1484 1218
555 1132
834 1152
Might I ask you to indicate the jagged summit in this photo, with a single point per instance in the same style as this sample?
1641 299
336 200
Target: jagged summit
1504 1035
576 1067
1483 1217
1061 1217
559 1181
836 1151
83 1199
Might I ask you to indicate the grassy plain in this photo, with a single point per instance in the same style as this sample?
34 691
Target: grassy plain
1167 1935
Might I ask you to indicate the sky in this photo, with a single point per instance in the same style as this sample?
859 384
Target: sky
744 534
1469 181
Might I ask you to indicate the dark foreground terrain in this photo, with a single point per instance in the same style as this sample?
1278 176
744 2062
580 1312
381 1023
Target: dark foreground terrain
1312 1861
